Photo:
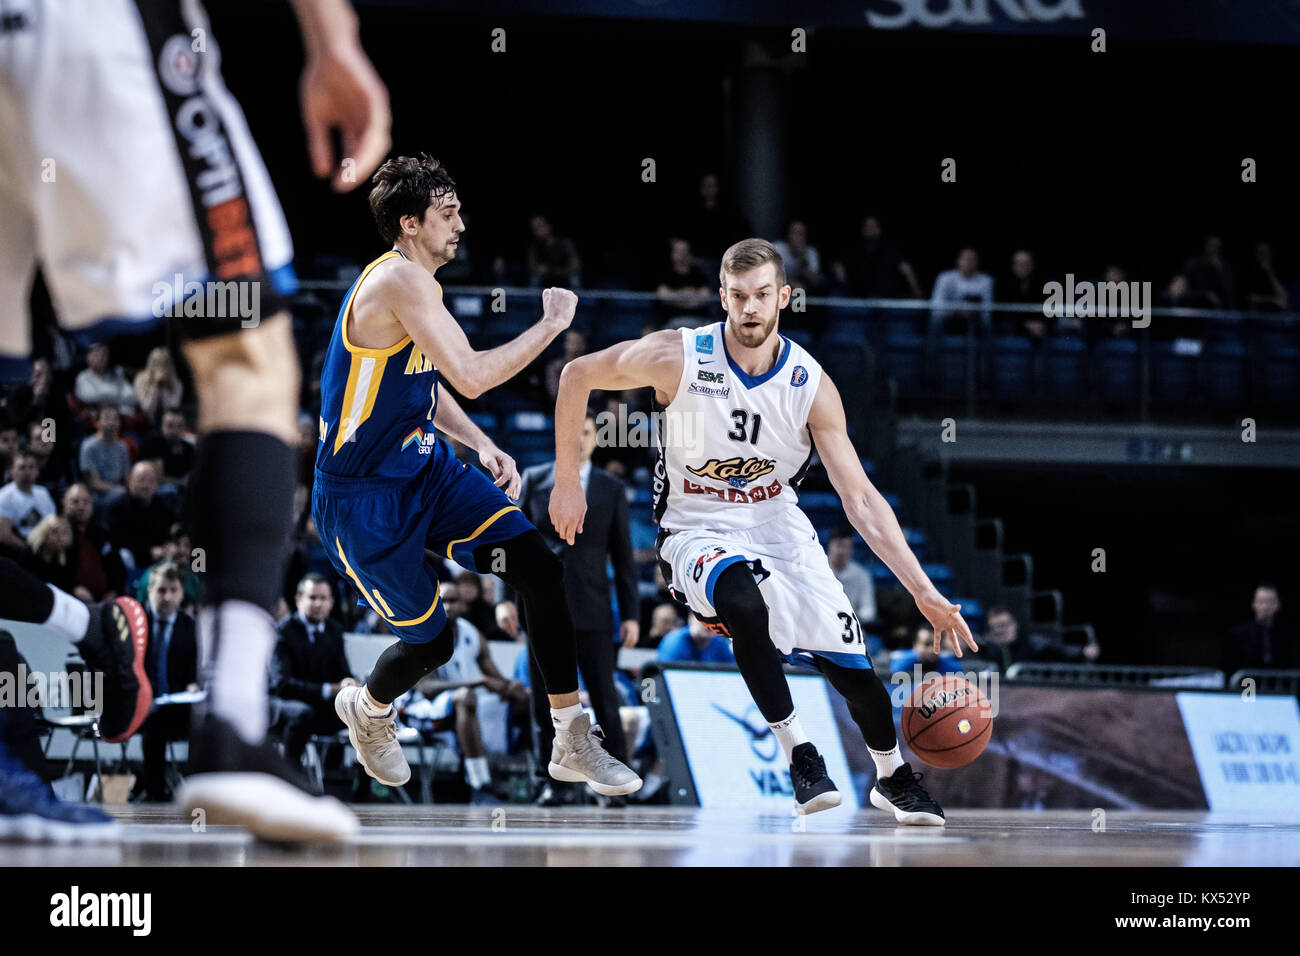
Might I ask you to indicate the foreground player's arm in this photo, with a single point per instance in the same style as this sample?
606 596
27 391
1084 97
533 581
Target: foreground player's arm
654 361
451 418
415 300
871 516
340 90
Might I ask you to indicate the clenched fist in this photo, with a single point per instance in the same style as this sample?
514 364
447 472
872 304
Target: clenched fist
558 306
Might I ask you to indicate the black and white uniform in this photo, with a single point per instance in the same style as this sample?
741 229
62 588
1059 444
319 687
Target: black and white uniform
733 449
125 163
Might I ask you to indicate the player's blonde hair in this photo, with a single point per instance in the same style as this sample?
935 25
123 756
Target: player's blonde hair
750 254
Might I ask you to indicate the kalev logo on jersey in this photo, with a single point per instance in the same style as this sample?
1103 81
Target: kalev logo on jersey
422 441
734 471
704 343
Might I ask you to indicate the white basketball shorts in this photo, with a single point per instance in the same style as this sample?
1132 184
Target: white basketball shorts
808 611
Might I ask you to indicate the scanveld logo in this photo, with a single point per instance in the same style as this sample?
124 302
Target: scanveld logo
895 14
74 909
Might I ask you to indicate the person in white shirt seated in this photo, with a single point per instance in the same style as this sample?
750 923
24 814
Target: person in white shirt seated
962 293
464 696
23 503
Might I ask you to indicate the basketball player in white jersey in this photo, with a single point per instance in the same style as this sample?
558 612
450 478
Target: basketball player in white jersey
743 406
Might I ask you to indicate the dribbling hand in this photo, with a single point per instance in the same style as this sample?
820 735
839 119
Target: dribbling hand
945 618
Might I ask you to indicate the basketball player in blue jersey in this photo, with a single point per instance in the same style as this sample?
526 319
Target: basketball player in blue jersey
733 544
388 488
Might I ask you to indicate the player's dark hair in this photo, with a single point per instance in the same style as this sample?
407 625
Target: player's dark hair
996 610
168 570
750 254
406 186
841 531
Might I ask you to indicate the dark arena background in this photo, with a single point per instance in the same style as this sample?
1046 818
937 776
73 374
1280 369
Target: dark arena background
1110 493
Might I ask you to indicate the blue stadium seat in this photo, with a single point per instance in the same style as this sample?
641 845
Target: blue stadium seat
941 575
529 421
846 325
1013 367
1224 372
1117 361
1065 368
904 360
952 366
643 534
1173 375
883 578
484 420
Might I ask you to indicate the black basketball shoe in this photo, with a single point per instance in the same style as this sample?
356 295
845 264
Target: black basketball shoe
813 790
115 644
235 783
902 793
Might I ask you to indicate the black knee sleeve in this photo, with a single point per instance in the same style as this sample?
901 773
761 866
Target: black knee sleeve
532 569
241 514
744 612
402 665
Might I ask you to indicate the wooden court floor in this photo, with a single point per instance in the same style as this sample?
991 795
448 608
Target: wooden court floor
456 835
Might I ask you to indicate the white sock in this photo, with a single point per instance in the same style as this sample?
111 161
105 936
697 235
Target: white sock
790 733
237 677
373 708
563 716
887 761
477 773
70 617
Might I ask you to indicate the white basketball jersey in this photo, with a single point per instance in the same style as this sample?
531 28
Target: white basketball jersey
733 447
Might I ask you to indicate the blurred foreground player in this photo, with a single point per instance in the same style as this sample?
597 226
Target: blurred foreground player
388 489
114 194
743 406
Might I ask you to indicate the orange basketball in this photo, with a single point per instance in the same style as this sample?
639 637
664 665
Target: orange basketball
947 721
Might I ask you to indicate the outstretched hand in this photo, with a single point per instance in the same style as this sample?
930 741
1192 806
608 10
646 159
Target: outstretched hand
945 618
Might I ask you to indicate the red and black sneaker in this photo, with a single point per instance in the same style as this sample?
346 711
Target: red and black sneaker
115 644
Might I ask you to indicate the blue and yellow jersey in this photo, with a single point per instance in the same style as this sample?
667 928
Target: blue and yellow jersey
377 405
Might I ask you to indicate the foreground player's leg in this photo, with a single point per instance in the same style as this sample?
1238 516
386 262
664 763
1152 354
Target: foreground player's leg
367 710
242 500
112 638
740 604
898 789
578 754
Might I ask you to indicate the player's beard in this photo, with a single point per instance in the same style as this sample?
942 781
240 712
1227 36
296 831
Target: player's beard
753 338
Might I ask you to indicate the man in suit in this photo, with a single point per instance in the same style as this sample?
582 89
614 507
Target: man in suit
171 661
605 536
1265 642
308 668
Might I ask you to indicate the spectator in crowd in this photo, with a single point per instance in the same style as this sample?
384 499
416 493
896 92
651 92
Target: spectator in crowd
713 223
552 260
172 453
105 458
1116 325
138 520
478 609
922 652
1023 287
803 263
1209 277
50 555
1264 290
1177 295
962 293
157 386
8 448
697 644
664 620
308 668
1008 647
575 345
172 663
684 291
508 623
23 503
1263 642
605 540
98 384
876 267
99 569
855 579
37 400
457 690
52 468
